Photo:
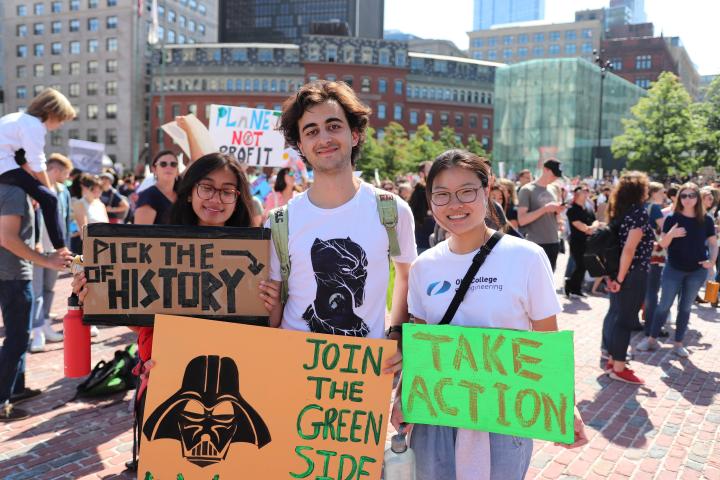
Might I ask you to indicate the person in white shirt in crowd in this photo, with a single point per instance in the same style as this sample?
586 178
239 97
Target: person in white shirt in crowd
514 288
337 245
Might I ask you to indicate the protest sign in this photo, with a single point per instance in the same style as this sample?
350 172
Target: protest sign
253 402
135 271
86 156
496 380
248 134
199 137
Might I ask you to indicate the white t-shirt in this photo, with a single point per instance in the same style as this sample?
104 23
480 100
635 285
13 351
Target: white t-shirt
513 287
20 130
339 267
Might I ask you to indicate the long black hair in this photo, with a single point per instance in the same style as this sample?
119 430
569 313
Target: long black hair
280 182
182 212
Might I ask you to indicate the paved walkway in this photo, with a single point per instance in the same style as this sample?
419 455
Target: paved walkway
667 429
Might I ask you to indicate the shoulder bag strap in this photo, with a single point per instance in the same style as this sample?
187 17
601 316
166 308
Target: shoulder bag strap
477 262
279 232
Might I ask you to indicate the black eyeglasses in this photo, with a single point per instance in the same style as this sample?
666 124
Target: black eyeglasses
164 164
464 195
206 192
688 195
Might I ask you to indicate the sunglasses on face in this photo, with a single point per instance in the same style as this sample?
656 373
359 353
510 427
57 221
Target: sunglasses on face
164 164
683 196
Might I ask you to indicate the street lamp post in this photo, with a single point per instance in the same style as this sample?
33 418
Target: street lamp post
605 66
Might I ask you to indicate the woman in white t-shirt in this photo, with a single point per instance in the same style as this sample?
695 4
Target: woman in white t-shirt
513 289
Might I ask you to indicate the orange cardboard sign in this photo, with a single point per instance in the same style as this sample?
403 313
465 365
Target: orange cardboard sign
229 401
136 271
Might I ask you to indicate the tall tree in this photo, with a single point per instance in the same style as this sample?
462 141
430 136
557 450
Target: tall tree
371 157
476 147
395 150
706 120
658 137
423 146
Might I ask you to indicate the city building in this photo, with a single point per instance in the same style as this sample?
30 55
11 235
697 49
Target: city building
287 21
639 57
488 13
93 52
551 108
438 47
636 8
399 85
517 43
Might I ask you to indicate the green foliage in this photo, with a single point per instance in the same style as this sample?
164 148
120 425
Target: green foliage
706 125
396 154
659 136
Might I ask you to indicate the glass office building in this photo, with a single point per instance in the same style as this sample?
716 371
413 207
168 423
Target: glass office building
550 108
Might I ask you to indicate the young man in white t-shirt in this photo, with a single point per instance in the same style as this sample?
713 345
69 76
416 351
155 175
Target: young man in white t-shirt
337 244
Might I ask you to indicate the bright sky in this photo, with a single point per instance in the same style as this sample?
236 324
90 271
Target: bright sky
694 21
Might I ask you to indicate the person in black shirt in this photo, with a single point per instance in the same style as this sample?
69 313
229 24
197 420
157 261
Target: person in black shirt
153 205
692 250
582 224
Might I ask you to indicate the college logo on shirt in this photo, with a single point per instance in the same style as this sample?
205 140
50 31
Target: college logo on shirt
438 288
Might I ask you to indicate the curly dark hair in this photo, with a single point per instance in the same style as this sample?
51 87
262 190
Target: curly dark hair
630 191
182 212
316 93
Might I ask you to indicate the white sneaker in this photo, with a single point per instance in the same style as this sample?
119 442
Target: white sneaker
647 345
94 332
38 340
51 336
681 351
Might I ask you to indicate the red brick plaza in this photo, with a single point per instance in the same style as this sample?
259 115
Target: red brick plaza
668 429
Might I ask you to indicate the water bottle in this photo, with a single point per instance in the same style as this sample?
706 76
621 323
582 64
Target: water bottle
399 459
77 341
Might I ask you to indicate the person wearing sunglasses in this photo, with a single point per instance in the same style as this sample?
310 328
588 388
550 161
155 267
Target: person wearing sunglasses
154 203
692 250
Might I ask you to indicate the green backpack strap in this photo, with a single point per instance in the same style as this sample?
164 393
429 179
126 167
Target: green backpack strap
279 231
388 212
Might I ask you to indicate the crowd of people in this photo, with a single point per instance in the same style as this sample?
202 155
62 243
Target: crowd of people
447 211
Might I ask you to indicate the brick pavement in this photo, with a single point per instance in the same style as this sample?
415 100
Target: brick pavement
667 429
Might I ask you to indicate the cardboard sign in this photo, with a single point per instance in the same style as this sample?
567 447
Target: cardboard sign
496 380
87 156
136 271
248 134
263 403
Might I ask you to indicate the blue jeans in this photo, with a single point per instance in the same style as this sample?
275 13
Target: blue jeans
651 294
609 322
15 303
43 284
677 282
627 304
434 448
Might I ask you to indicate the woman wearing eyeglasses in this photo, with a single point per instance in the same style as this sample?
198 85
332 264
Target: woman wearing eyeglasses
691 242
153 205
213 192
513 288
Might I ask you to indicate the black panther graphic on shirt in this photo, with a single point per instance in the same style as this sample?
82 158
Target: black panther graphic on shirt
340 267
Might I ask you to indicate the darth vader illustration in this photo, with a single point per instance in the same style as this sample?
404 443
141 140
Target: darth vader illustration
340 272
208 413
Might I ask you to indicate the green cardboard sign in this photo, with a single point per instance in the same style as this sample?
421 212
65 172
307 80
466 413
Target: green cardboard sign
496 380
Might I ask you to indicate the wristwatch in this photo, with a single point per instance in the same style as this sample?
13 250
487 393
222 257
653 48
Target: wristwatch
393 328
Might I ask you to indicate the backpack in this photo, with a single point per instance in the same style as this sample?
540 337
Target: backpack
602 251
279 229
111 377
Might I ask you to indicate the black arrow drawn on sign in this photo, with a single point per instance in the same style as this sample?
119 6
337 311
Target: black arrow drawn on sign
254 267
